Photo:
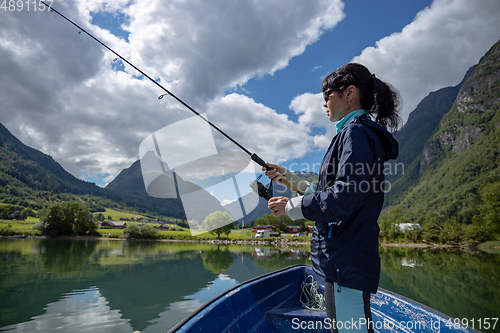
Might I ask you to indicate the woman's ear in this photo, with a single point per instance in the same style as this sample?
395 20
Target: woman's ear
351 90
350 93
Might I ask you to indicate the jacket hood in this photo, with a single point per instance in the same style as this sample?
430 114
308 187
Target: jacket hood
391 145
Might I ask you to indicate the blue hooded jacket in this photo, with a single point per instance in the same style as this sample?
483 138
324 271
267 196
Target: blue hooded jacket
347 204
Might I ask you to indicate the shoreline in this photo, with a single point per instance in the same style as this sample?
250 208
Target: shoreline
425 245
276 242
438 246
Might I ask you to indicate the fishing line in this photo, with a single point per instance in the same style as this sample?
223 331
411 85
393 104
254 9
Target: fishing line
146 85
253 156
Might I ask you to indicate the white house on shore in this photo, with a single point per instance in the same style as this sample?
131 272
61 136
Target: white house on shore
407 227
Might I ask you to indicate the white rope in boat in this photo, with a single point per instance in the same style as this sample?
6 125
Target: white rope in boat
313 300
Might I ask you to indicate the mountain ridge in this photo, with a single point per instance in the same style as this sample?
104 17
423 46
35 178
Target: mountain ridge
461 155
34 180
130 180
422 123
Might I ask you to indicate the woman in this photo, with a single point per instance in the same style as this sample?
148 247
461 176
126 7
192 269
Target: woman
349 195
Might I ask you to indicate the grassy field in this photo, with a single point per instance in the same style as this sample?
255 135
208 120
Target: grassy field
181 233
117 214
24 227
19 227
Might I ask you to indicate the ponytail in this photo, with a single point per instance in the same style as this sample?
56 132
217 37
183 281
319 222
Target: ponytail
380 98
384 102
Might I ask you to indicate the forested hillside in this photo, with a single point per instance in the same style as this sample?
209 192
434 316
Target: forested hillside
420 126
31 180
456 174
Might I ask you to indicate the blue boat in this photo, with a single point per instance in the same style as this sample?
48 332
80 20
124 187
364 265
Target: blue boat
272 303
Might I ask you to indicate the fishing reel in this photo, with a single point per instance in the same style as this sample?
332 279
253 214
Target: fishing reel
261 190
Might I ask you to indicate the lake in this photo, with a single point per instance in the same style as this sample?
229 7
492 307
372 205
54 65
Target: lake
124 286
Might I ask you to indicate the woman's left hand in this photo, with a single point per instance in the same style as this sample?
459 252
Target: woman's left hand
277 205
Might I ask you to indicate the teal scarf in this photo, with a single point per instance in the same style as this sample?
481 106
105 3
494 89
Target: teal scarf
348 118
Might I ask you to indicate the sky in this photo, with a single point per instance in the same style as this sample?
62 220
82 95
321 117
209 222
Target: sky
253 67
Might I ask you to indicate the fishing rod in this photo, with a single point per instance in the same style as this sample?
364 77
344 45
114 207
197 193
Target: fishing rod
262 191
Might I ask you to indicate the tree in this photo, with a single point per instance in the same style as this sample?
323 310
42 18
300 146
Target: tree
217 261
140 232
388 221
280 223
218 223
4 212
486 225
67 218
490 210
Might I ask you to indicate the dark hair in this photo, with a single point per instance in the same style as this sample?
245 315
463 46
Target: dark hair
378 97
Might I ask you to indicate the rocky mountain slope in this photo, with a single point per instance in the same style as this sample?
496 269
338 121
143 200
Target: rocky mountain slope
461 155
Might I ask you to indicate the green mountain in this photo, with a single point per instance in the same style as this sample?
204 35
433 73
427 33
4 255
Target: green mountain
131 182
32 180
422 123
445 170
22 166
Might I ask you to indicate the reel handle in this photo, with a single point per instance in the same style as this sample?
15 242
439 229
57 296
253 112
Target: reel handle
259 161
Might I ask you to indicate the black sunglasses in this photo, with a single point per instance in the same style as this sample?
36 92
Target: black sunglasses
326 94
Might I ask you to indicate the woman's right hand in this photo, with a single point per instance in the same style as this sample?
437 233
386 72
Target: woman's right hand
276 173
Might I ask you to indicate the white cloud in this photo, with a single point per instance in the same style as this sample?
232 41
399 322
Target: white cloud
436 49
60 94
274 137
210 45
84 308
311 109
313 114
432 52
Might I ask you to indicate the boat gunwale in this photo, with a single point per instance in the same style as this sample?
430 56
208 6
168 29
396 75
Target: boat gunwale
204 306
390 293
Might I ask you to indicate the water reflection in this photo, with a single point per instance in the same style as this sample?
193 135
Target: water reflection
79 311
143 285
264 253
463 283
410 262
66 256
177 311
268 253
115 286
217 260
